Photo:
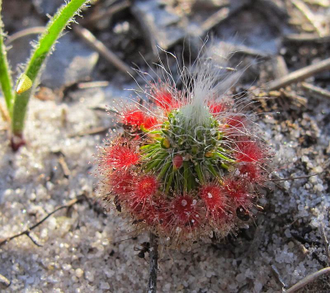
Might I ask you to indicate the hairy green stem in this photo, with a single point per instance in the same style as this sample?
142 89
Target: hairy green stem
54 28
5 77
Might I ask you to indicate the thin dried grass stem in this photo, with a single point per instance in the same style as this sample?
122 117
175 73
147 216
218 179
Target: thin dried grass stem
300 75
152 284
310 278
28 230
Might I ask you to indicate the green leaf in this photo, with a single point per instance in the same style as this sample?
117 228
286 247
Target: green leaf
5 77
46 42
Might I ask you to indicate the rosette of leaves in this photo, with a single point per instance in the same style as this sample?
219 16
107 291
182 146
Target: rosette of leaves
188 162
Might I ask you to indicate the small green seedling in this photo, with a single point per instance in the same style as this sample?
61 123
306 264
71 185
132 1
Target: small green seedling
17 100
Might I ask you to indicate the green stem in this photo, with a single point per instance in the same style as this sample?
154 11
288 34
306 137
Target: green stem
156 161
151 132
212 170
199 173
54 28
169 182
185 175
225 158
224 166
191 181
5 77
164 169
149 147
151 153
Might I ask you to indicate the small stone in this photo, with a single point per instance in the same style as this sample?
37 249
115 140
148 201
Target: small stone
44 233
104 286
89 276
4 282
318 169
304 159
287 233
240 278
319 187
66 267
79 272
258 287
290 245
32 196
30 280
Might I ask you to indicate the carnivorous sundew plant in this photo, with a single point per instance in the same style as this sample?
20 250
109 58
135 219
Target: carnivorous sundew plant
188 162
17 100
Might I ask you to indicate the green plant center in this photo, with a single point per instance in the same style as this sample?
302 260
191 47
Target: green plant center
186 150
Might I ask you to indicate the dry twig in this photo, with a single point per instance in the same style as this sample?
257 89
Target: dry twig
278 276
220 16
92 84
215 19
105 109
93 131
307 280
317 91
307 14
64 166
108 12
4 282
322 3
4 113
28 230
306 38
326 243
152 284
295 178
98 46
25 32
301 246
299 75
